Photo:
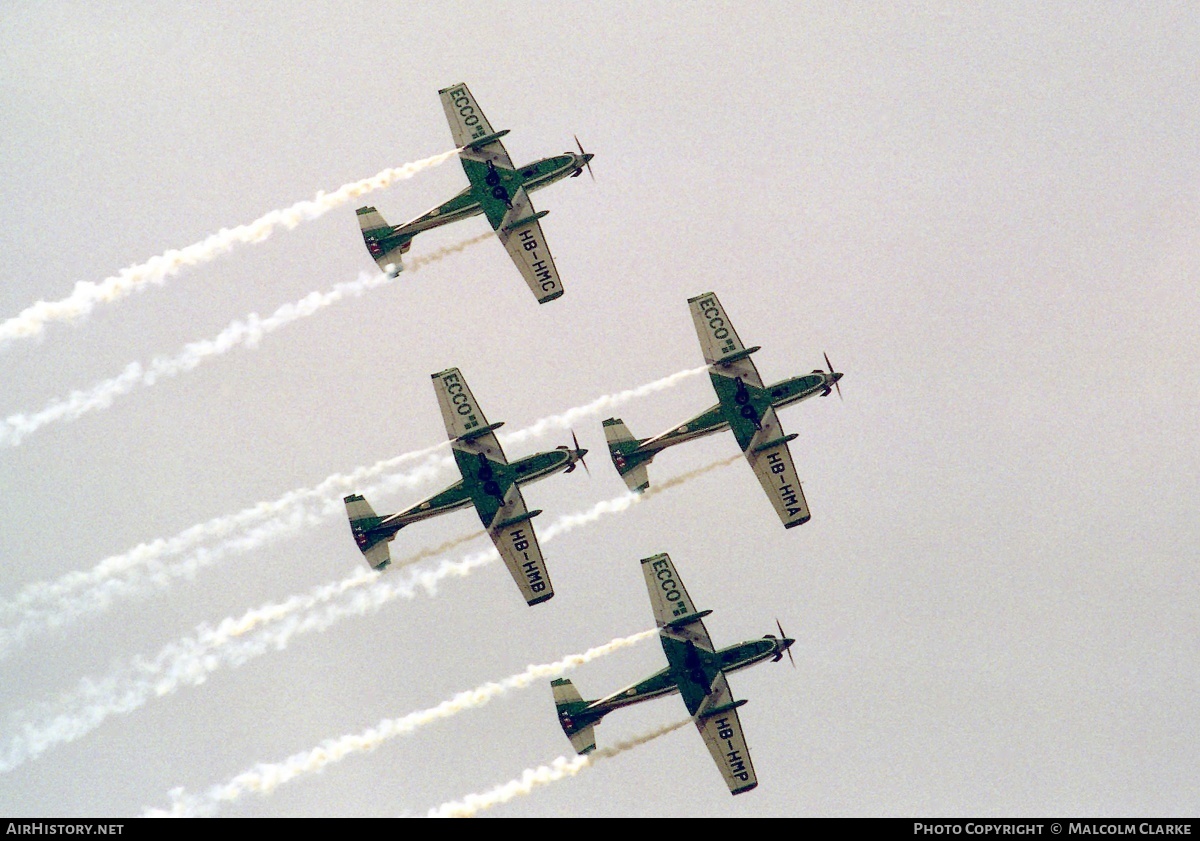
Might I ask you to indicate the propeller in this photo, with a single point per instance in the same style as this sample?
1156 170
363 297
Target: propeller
784 636
587 162
835 381
575 441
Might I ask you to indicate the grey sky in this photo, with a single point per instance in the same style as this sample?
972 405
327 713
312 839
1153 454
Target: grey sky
986 214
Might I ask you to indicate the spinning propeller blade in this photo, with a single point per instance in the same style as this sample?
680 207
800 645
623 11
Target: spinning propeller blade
835 382
575 441
784 636
586 163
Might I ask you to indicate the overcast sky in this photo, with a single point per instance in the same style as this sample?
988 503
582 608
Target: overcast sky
986 214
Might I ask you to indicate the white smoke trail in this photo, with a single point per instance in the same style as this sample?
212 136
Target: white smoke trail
32 320
186 662
543 775
248 331
265 778
601 404
189 662
141 572
43 605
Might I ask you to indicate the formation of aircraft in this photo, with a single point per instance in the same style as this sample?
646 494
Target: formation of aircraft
489 482
696 670
746 406
498 190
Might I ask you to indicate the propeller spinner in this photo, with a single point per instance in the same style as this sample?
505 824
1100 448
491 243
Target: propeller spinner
836 376
783 638
586 160
579 454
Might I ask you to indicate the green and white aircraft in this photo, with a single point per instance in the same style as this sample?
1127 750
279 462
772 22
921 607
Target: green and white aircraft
696 671
489 482
498 189
746 406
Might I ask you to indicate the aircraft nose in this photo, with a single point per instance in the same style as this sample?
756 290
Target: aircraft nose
580 453
786 643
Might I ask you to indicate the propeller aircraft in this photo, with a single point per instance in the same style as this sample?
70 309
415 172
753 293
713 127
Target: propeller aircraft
489 482
746 406
696 670
498 189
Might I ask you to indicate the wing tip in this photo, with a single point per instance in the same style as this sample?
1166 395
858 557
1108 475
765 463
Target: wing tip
799 522
539 599
744 789
553 296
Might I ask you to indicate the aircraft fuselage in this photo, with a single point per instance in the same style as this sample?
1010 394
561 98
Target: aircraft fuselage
482 479
719 417
683 672
482 192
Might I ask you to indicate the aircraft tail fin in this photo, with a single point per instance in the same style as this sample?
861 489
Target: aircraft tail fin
385 248
622 446
570 705
364 523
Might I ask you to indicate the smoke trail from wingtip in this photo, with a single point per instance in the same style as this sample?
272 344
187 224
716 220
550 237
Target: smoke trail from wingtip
543 775
32 320
248 331
265 778
189 662
44 605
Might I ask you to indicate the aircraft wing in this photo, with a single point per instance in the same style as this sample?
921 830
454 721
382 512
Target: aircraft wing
511 530
492 487
717 720
743 398
704 689
685 640
670 601
521 234
718 339
769 456
477 452
732 371
467 123
465 423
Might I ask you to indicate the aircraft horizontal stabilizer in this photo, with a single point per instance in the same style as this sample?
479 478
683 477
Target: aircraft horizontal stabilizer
385 249
622 446
575 723
364 523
